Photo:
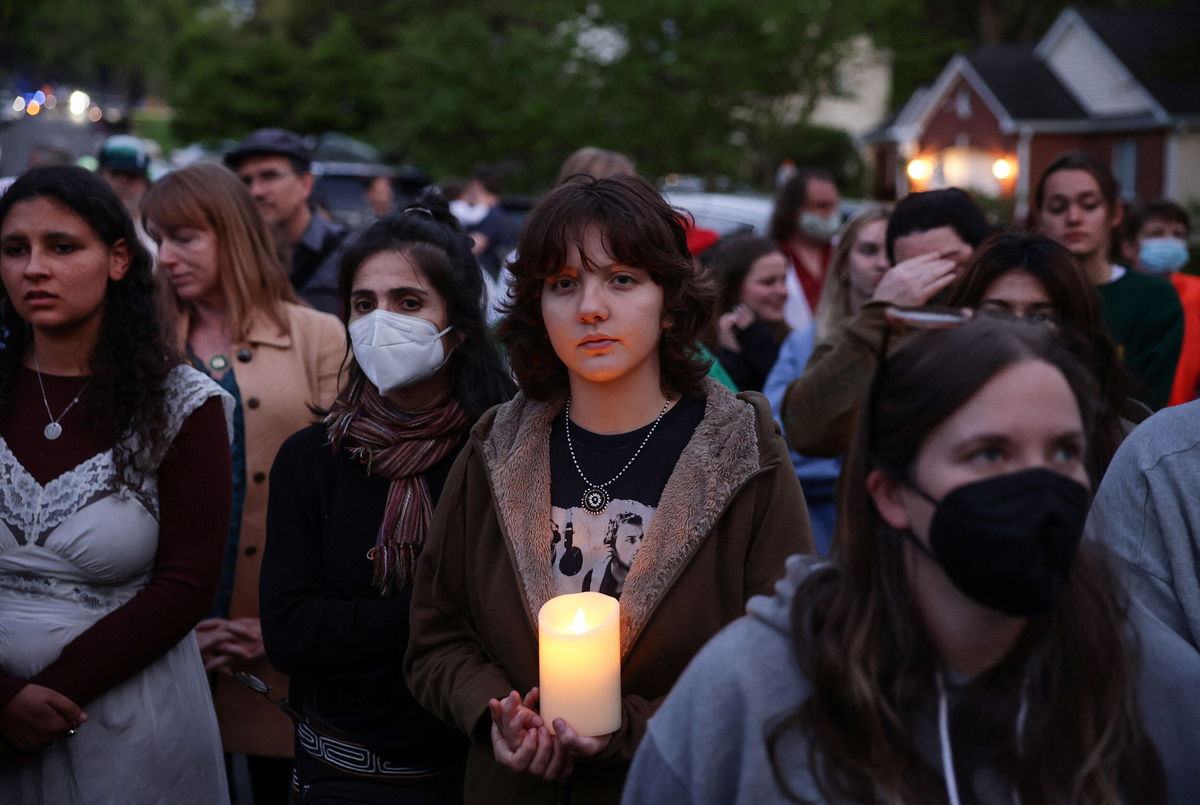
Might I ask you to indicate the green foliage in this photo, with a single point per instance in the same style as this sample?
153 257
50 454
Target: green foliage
457 93
723 88
228 81
695 86
120 45
155 125
832 149
338 92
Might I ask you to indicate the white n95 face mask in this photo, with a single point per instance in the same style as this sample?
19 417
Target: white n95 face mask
395 350
820 227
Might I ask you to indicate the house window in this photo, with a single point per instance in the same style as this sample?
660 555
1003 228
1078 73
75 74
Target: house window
1124 162
962 103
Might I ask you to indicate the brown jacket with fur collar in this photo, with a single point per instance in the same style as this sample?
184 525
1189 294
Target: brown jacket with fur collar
730 514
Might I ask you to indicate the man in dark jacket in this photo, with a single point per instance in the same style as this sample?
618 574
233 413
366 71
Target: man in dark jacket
276 166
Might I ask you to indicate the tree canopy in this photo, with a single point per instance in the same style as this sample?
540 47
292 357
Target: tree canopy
713 87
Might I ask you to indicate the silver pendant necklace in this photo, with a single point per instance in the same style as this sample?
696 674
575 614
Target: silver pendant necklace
595 496
54 429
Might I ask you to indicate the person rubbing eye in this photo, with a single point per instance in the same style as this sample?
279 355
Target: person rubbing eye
929 238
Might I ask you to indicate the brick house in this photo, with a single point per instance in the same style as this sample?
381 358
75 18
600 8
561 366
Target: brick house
1122 83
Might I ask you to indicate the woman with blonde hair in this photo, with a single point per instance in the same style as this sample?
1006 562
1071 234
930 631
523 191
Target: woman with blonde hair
238 319
858 263
594 162
855 268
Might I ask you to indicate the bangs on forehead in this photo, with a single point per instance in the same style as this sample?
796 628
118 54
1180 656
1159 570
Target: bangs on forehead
172 208
629 236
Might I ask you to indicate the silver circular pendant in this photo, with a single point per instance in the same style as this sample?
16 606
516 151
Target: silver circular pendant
52 431
594 500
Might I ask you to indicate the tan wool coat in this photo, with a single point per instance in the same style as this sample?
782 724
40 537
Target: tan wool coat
730 514
278 375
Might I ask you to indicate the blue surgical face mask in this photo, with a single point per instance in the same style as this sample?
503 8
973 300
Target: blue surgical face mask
1163 255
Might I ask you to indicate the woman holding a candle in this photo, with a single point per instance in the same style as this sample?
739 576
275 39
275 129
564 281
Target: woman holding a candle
618 470
964 646
350 501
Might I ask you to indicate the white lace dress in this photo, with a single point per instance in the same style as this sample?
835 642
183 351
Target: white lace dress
70 553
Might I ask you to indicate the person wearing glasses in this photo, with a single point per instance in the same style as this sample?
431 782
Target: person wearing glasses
351 501
1027 275
963 645
619 468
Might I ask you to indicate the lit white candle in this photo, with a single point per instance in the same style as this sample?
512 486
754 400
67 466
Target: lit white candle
579 655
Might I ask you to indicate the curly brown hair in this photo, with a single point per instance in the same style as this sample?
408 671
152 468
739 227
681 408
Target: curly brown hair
640 230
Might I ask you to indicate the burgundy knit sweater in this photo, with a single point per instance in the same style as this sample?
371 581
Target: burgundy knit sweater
194 487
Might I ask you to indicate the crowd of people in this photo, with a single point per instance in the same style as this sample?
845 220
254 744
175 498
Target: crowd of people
888 504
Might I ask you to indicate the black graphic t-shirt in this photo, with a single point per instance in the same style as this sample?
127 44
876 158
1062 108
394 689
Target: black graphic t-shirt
593 552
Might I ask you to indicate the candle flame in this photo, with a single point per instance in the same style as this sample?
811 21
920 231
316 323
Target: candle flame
580 624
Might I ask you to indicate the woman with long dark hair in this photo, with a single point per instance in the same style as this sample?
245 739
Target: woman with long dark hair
1032 276
963 645
114 504
750 273
351 499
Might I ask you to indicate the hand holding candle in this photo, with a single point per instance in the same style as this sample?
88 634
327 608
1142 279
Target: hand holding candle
522 743
579 654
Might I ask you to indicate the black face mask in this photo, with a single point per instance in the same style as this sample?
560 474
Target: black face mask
1008 542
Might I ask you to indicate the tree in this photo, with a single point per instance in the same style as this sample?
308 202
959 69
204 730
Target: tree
117 45
228 80
684 86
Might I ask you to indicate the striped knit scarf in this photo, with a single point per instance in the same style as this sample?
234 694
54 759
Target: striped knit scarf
400 448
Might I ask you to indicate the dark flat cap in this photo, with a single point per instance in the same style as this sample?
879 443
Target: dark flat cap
265 142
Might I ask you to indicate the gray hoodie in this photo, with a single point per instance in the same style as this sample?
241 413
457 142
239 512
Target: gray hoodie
1147 511
706 743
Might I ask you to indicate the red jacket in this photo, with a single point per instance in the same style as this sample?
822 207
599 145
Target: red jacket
1187 371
